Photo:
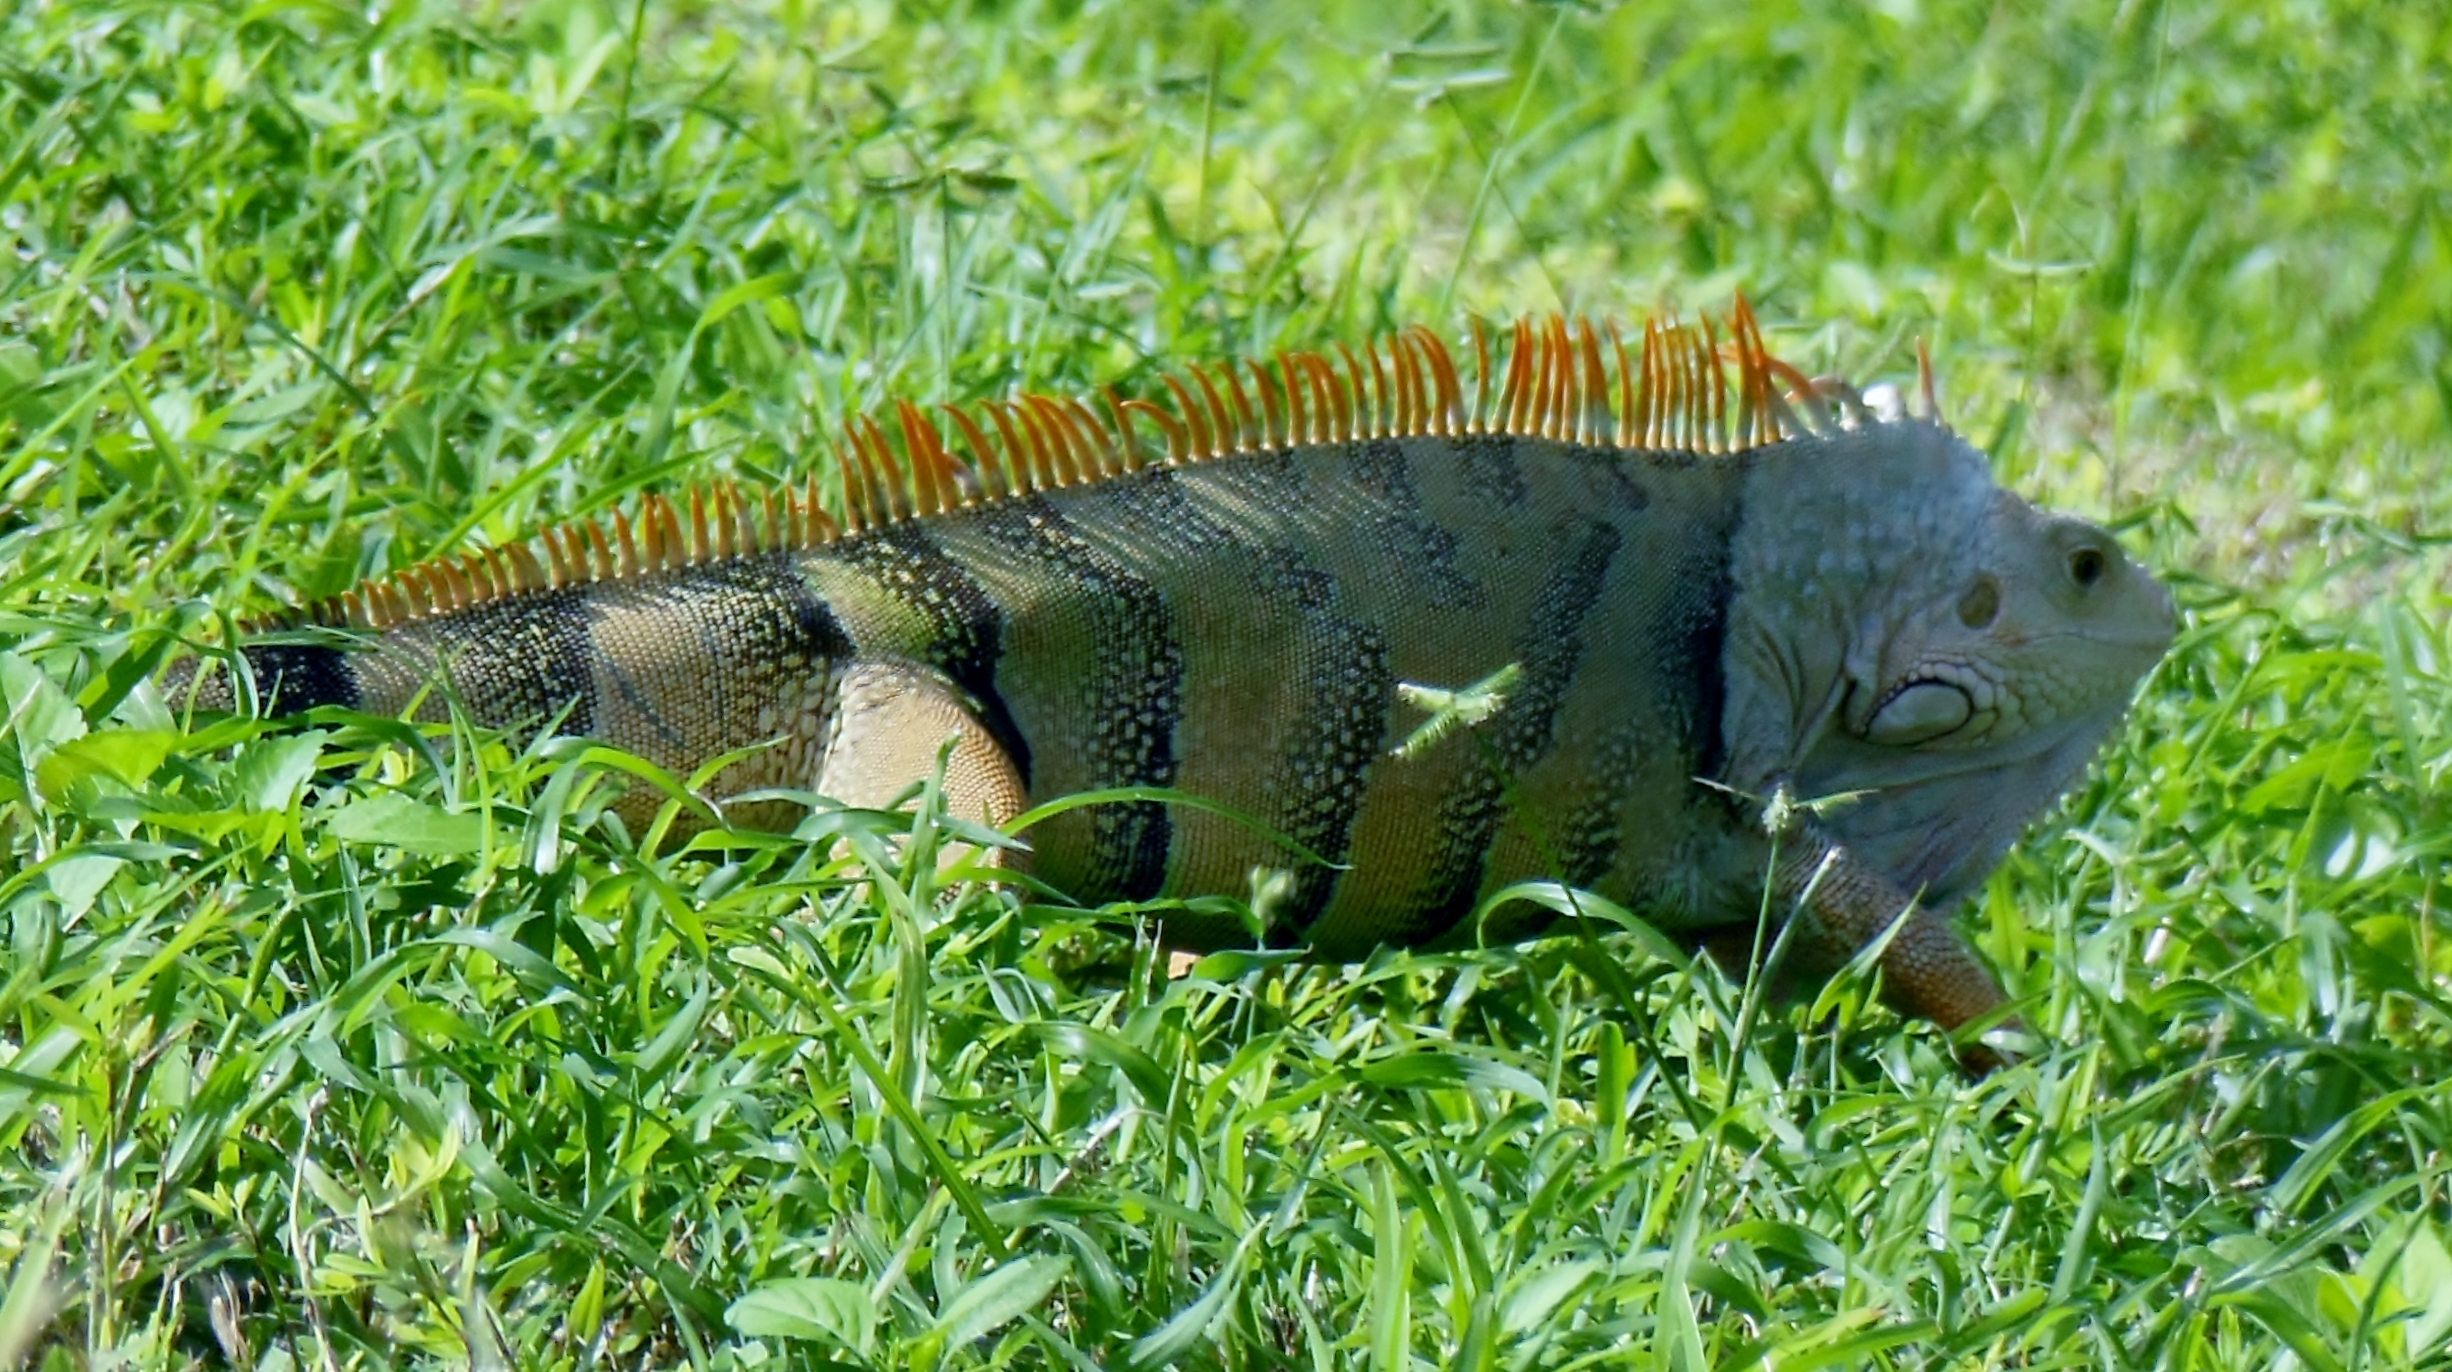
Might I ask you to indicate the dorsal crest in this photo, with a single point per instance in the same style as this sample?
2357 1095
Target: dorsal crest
1671 389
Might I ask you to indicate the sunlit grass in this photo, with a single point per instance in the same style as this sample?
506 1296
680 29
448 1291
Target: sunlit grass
334 1048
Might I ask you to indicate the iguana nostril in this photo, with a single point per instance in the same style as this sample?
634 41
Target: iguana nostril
1981 604
2086 566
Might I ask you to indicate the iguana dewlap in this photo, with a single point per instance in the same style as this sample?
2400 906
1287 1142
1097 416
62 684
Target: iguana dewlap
1713 593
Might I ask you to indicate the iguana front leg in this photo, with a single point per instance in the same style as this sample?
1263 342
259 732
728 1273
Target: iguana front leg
1841 905
1787 686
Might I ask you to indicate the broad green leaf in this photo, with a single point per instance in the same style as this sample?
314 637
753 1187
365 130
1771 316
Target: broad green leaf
396 821
2333 766
76 878
1017 1288
1233 964
1389 1314
823 1308
1188 1329
268 771
587 1308
1571 904
126 756
40 718
2425 1277
675 1037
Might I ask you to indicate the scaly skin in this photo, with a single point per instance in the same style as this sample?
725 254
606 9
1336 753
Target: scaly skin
1703 614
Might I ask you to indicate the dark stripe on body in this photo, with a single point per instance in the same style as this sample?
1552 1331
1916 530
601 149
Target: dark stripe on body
1549 652
523 659
1323 768
1492 476
1136 689
1698 636
763 615
290 677
1589 836
1416 541
1617 474
1162 501
965 629
803 622
1313 792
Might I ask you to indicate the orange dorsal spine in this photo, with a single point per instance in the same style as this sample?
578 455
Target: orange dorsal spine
1557 382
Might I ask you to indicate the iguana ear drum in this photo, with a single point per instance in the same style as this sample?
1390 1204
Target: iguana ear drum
1920 712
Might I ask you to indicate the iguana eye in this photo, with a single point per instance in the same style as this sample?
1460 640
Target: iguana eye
2086 566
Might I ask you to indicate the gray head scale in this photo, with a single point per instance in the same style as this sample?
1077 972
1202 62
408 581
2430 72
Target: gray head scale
1984 648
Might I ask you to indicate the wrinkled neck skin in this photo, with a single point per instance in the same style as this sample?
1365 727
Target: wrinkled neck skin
1853 571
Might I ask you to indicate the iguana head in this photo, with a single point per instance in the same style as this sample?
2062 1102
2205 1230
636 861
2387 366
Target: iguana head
1983 648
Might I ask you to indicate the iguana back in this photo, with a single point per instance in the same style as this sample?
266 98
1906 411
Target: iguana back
1707 591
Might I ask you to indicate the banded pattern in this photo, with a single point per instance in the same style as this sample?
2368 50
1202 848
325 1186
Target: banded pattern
1549 650
1346 554
1132 678
1705 566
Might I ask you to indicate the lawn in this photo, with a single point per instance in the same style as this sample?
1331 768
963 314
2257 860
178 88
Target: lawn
347 1046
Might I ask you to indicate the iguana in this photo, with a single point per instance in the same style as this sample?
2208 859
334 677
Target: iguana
1719 595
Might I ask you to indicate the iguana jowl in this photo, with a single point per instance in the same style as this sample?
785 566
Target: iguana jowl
1714 591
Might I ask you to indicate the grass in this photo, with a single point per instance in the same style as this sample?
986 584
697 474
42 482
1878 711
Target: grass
333 1048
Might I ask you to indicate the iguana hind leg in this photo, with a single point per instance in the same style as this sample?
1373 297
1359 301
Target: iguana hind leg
891 718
